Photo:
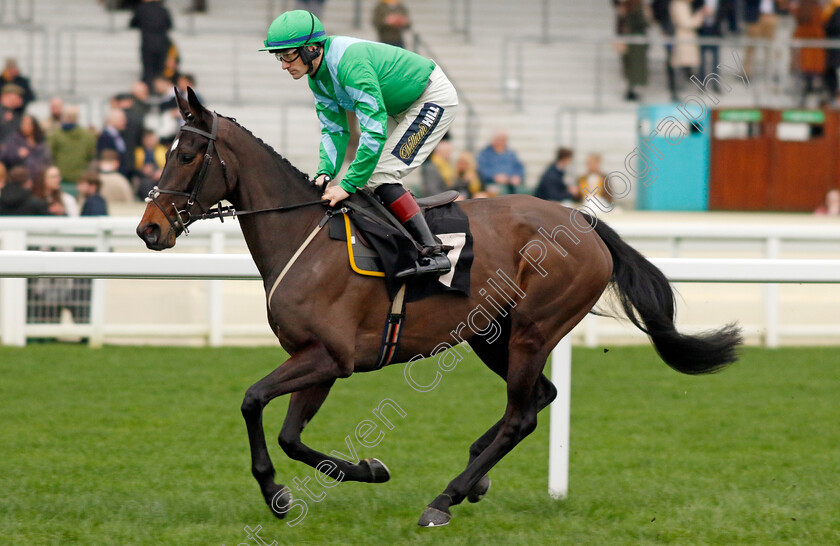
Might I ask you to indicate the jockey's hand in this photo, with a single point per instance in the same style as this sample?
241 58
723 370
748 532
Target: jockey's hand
321 181
335 194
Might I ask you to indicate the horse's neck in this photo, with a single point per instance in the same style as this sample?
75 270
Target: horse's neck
273 237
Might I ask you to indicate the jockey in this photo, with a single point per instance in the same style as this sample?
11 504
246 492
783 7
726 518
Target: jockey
376 81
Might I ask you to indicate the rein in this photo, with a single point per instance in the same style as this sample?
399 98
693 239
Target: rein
219 211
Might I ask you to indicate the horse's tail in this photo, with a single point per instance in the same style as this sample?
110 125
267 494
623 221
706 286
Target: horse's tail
647 299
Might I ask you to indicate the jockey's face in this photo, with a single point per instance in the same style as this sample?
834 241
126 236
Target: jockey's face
295 66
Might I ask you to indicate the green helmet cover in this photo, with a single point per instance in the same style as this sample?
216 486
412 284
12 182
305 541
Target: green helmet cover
293 29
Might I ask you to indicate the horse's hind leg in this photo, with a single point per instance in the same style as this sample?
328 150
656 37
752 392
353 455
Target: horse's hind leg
302 408
527 355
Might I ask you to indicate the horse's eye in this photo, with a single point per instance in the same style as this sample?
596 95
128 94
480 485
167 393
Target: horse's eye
187 158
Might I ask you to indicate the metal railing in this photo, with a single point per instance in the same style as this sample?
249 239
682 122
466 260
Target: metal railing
767 87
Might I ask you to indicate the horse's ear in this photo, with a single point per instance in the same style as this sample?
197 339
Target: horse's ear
186 109
195 104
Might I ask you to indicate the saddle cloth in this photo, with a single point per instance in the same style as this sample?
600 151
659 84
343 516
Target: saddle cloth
379 249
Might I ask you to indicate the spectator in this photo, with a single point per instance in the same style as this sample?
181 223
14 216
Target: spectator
810 60
437 172
499 165
16 197
111 138
592 182
53 122
26 147
831 18
466 177
552 185
11 97
760 19
716 12
154 22
136 107
11 74
47 186
831 207
662 16
149 160
197 6
686 55
93 204
632 22
2 175
172 64
390 18
72 147
114 187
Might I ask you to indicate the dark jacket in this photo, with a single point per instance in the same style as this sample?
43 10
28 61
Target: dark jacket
15 200
832 32
153 21
38 157
107 141
23 83
752 10
552 186
94 205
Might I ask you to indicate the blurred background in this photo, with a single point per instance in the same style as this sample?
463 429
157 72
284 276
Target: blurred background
703 128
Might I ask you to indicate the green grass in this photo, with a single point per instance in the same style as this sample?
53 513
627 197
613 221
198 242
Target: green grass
147 446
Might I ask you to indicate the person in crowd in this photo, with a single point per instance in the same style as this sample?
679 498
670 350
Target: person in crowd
26 147
72 147
376 81
552 185
686 54
153 21
760 21
831 207
111 138
592 181
437 175
390 19
114 187
52 122
498 165
831 25
136 107
3 173
87 187
47 186
172 64
467 181
149 160
716 13
11 74
16 197
810 61
662 16
632 22
197 6
11 97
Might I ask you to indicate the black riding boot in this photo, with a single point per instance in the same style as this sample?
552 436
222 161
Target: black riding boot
433 259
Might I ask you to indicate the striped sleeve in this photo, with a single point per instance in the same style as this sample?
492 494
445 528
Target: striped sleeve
334 133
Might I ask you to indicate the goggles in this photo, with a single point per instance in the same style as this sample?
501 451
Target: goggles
287 55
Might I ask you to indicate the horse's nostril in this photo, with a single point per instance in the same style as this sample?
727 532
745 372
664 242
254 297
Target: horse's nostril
149 233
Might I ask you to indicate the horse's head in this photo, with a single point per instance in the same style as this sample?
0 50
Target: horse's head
193 178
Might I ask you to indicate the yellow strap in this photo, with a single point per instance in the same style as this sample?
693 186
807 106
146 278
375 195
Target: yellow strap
353 265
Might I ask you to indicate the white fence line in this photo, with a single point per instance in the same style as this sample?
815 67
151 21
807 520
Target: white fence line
671 237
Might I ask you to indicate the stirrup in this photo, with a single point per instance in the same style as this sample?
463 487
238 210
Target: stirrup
436 264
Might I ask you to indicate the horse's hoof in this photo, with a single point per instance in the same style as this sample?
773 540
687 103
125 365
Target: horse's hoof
280 502
378 471
479 489
432 517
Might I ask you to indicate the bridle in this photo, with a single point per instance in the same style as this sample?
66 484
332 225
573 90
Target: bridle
192 197
183 218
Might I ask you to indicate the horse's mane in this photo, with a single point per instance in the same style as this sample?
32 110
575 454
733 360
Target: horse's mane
277 157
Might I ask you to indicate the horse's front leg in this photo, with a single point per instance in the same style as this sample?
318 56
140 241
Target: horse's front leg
302 408
306 368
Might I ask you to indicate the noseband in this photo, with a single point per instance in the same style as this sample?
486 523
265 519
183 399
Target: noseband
183 218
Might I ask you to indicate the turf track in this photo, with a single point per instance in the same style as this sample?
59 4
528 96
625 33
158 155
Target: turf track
146 446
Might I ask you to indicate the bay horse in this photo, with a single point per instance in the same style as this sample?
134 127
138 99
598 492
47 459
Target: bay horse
554 263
